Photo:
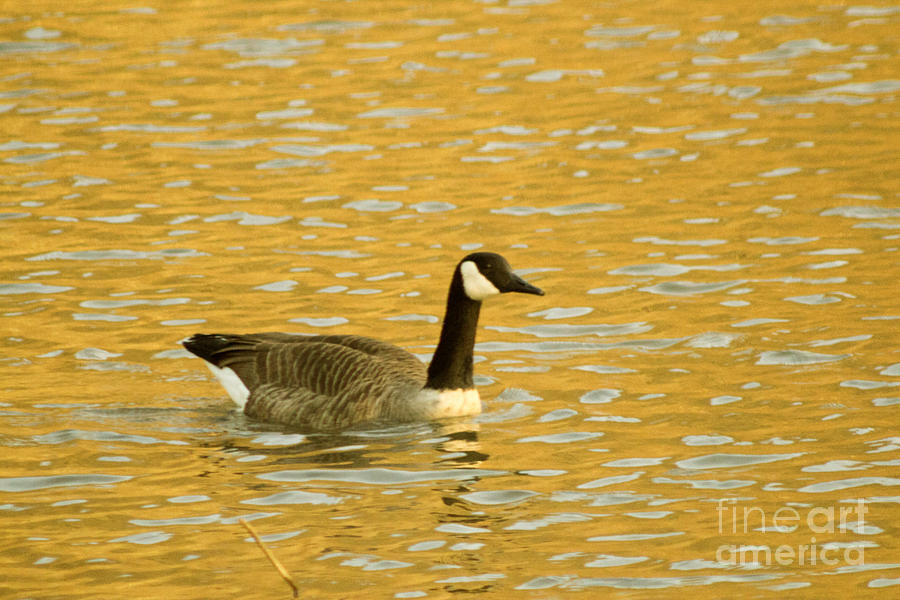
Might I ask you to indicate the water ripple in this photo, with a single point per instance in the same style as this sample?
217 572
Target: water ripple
553 519
143 539
27 484
568 437
846 484
656 583
68 435
797 357
564 330
730 461
117 254
498 497
378 476
862 212
689 288
707 484
569 209
32 288
204 520
295 497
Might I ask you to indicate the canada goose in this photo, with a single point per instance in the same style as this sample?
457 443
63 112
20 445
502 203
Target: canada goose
335 381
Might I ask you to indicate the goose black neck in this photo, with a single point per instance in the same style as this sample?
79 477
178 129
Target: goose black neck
451 365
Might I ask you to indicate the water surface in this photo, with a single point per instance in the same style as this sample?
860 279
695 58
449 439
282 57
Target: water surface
705 400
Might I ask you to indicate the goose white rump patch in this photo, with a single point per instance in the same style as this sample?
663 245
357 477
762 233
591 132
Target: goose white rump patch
232 384
477 286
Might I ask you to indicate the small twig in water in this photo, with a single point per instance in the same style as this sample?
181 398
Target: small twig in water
272 559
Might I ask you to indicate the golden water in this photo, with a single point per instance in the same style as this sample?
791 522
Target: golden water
706 191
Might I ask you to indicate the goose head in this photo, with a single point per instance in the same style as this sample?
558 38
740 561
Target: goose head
486 274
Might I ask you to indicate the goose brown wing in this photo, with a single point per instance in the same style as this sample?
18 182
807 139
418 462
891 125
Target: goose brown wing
324 381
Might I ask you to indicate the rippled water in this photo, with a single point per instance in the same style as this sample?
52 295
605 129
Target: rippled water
706 399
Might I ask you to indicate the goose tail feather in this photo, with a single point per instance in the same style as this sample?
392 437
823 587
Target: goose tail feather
215 349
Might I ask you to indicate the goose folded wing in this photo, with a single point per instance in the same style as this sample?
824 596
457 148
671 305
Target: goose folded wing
323 381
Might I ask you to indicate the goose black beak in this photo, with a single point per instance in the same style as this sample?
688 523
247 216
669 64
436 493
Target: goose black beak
523 287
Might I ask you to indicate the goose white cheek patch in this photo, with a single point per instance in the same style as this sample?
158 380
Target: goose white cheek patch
477 286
